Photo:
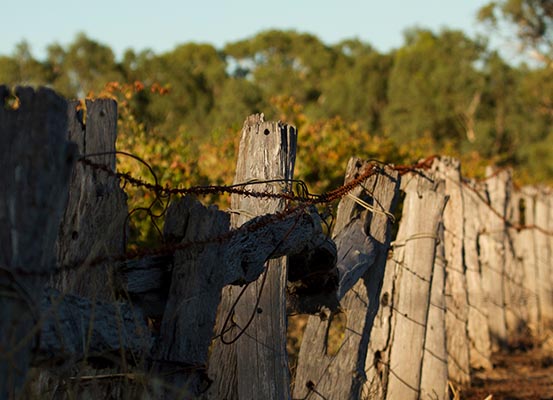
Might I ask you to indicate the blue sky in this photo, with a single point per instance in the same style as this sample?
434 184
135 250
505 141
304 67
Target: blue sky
162 24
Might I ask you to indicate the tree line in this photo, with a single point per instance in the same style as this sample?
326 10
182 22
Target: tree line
439 92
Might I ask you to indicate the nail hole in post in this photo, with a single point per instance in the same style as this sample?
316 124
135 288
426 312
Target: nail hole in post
266 131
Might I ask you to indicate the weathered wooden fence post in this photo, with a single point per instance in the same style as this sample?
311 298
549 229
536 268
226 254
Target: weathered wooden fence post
401 360
434 377
93 226
516 294
35 163
477 324
456 301
492 256
94 219
194 293
527 253
362 238
543 253
256 365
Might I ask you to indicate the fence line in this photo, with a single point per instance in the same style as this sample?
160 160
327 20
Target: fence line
465 251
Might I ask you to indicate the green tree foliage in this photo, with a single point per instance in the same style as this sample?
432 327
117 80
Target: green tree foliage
432 85
532 21
441 92
284 62
357 88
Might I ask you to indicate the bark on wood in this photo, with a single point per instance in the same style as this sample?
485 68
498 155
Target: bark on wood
256 365
492 257
456 316
94 220
342 375
36 162
395 368
477 325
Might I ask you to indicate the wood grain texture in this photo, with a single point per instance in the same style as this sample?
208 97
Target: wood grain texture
94 220
111 329
526 251
456 317
423 208
543 251
477 324
36 162
256 365
342 375
516 295
492 257
434 375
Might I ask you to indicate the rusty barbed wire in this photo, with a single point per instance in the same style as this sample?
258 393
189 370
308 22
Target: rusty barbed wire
304 200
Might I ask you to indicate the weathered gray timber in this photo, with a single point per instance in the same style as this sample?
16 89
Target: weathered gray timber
94 220
93 226
195 291
378 353
342 375
492 255
199 274
434 377
395 362
110 329
526 252
543 253
35 163
456 302
548 231
298 233
419 189
516 295
477 324
256 365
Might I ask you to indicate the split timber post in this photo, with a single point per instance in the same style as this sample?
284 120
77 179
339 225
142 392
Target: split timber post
480 350
407 355
527 253
94 221
36 162
543 251
492 256
93 226
456 316
256 365
362 239
516 294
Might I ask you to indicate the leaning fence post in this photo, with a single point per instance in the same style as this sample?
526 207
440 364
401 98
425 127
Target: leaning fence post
323 375
36 161
256 365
